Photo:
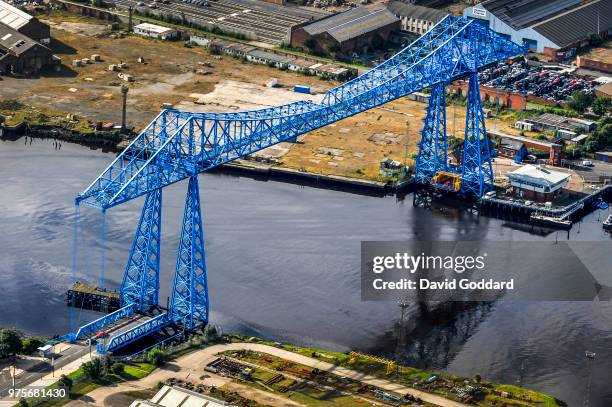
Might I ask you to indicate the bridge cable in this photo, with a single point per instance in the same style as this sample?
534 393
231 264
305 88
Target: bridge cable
103 246
75 231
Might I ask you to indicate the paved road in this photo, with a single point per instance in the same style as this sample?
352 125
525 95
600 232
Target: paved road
44 368
191 367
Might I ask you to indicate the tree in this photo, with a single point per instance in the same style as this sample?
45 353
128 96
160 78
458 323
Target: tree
118 368
65 381
476 378
30 345
580 101
10 343
156 356
106 363
23 402
602 105
92 369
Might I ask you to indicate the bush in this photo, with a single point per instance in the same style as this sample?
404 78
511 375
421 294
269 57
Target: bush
65 381
92 369
602 105
156 356
580 101
30 345
118 368
10 343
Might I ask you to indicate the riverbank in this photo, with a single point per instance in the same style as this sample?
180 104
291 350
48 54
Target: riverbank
303 365
115 142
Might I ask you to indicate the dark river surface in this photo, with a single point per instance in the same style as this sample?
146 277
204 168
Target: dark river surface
283 263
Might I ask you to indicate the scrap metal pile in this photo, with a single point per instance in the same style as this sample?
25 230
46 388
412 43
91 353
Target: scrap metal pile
545 83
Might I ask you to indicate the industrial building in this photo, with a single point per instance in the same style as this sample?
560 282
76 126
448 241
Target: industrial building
415 19
275 58
155 31
605 156
357 30
556 123
551 27
537 183
174 396
514 149
24 23
20 54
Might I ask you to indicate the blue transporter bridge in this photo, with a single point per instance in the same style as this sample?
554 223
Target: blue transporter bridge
179 145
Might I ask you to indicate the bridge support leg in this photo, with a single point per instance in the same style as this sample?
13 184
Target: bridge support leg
476 168
433 151
189 303
140 285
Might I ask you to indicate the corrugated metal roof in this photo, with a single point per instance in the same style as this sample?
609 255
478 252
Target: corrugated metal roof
419 12
12 16
13 42
352 23
519 14
578 24
270 56
543 174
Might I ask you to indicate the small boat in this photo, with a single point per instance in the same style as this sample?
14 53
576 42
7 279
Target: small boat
607 224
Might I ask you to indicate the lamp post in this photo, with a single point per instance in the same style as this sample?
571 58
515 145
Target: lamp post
124 92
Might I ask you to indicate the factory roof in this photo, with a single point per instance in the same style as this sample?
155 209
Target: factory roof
177 396
269 56
542 174
352 23
513 144
519 14
157 29
573 26
12 16
418 12
13 42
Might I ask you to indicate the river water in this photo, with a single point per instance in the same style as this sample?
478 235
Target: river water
283 263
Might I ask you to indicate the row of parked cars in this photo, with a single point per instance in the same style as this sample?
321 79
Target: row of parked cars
545 83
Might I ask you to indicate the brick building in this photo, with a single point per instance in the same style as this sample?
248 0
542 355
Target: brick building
24 23
20 54
356 30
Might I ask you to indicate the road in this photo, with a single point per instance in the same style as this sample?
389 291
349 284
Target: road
191 367
42 369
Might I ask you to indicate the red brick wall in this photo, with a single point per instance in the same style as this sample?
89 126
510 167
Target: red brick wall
279 2
324 40
582 62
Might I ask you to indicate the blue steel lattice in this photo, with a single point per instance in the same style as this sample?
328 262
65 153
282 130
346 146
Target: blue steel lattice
433 151
140 283
189 304
477 171
176 144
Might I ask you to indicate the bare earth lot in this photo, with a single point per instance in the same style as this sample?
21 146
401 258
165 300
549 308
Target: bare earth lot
194 80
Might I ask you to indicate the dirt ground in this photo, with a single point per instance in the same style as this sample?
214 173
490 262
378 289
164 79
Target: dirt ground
170 73
602 53
194 80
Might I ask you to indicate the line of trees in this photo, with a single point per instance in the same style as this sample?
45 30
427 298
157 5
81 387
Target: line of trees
12 342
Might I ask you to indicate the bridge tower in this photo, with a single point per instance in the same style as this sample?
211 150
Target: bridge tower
433 149
189 304
140 285
476 169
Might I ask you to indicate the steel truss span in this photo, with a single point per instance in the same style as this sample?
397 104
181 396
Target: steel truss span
178 145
